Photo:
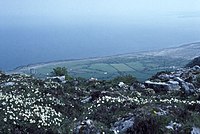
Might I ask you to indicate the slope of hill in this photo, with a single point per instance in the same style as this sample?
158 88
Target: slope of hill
195 61
140 64
168 104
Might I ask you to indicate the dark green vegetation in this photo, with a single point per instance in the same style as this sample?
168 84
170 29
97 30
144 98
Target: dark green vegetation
142 67
81 106
59 71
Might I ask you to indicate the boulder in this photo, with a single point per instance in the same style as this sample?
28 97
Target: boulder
173 125
123 125
149 91
121 84
86 100
158 86
173 85
60 79
92 79
165 77
195 130
136 86
178 79
86 127
196 68
188 88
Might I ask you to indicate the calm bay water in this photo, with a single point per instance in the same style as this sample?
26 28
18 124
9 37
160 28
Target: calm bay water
22 45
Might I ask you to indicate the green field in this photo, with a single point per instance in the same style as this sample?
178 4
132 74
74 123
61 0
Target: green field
106 68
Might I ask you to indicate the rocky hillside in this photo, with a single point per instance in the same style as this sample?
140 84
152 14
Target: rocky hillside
169 102
195 61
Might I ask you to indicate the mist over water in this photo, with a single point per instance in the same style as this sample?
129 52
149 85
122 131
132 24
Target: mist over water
21 46
60 30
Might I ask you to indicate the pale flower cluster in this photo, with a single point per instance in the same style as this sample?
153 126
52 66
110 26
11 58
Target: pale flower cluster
175 100
138 101
29 104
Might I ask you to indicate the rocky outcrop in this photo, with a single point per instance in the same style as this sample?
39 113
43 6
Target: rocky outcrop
182 79
194 62
60 79
163 86
86 127
123 125
195 130
173 125
186 86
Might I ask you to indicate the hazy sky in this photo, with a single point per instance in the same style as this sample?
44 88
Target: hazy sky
62 12
34 31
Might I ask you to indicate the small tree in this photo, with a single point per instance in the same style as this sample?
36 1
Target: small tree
60 71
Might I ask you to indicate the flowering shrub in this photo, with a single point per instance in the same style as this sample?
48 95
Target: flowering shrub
24 103
30 105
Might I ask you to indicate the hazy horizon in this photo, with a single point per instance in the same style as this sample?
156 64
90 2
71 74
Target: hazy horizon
42 31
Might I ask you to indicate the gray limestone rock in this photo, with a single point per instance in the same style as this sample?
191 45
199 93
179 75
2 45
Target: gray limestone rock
123 125
195 130
86 127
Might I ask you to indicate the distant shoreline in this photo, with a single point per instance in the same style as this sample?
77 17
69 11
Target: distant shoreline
55 62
